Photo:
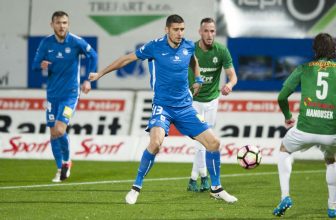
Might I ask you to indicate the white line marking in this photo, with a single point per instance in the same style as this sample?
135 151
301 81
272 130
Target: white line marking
152 180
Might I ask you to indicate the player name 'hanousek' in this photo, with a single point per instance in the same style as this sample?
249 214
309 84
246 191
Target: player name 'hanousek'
316 113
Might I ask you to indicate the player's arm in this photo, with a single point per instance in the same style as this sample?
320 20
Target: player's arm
193 64
39 62
115 65
288 88
91 56
284 106
232 76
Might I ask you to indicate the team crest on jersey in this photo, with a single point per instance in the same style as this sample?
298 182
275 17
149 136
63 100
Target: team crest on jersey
152 121
215 60
67 50
185 52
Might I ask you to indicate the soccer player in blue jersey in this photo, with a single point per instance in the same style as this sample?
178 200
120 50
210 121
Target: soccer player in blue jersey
59 54
169 58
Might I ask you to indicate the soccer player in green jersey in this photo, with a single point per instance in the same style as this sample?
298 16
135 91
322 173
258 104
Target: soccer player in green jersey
316 121
212 57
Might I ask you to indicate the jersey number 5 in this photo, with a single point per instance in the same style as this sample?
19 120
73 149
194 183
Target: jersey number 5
323 92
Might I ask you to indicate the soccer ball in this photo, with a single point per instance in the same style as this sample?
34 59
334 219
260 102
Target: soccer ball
249 156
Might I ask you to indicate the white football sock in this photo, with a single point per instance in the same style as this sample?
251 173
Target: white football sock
194 171
284 169
201 162
331 182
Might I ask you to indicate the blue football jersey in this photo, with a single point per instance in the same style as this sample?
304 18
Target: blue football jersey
64 70
168 69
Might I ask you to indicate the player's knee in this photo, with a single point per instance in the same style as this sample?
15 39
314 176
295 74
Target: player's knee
214 144
57 132
154 146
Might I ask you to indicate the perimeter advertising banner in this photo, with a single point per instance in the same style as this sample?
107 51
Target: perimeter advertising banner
98 113
276 18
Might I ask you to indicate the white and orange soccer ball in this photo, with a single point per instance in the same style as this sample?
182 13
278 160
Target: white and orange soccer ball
249 156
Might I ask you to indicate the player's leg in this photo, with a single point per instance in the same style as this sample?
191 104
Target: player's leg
158 128
157 135
51 113
294 140
210 113
211 143
66 111
284 171
329 157
198 166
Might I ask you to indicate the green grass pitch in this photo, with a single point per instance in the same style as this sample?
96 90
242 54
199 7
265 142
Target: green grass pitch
96 190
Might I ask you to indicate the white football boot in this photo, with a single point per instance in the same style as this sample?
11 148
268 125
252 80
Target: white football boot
223 195
132 195
57 178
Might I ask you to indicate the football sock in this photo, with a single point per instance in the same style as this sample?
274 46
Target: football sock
64 143
201 161
146 163
57 152
213 165
331 182
284 169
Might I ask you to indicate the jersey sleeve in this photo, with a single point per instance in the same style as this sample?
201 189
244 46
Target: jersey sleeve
288 88
39 56
227 59
146 51
89 53
294 79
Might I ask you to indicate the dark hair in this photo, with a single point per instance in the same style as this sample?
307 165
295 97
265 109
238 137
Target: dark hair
58 14
174 19
207 20
324 46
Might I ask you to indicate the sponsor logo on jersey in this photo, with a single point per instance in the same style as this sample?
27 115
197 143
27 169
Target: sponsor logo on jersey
59 55
208 69
176 59
67 112
316 113
207 79
323 64
310 103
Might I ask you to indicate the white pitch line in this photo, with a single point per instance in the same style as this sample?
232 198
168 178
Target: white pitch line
151 180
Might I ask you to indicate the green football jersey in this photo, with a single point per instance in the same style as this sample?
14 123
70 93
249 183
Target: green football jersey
318 96
211 63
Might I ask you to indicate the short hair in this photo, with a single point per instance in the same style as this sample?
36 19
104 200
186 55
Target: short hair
58 14
174 19
207 20
324 46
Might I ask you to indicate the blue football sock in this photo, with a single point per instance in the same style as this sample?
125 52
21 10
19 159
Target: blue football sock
146 163
64 144
213 165
57 152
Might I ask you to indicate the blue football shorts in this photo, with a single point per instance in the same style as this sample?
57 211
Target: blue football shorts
186 120
60 109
